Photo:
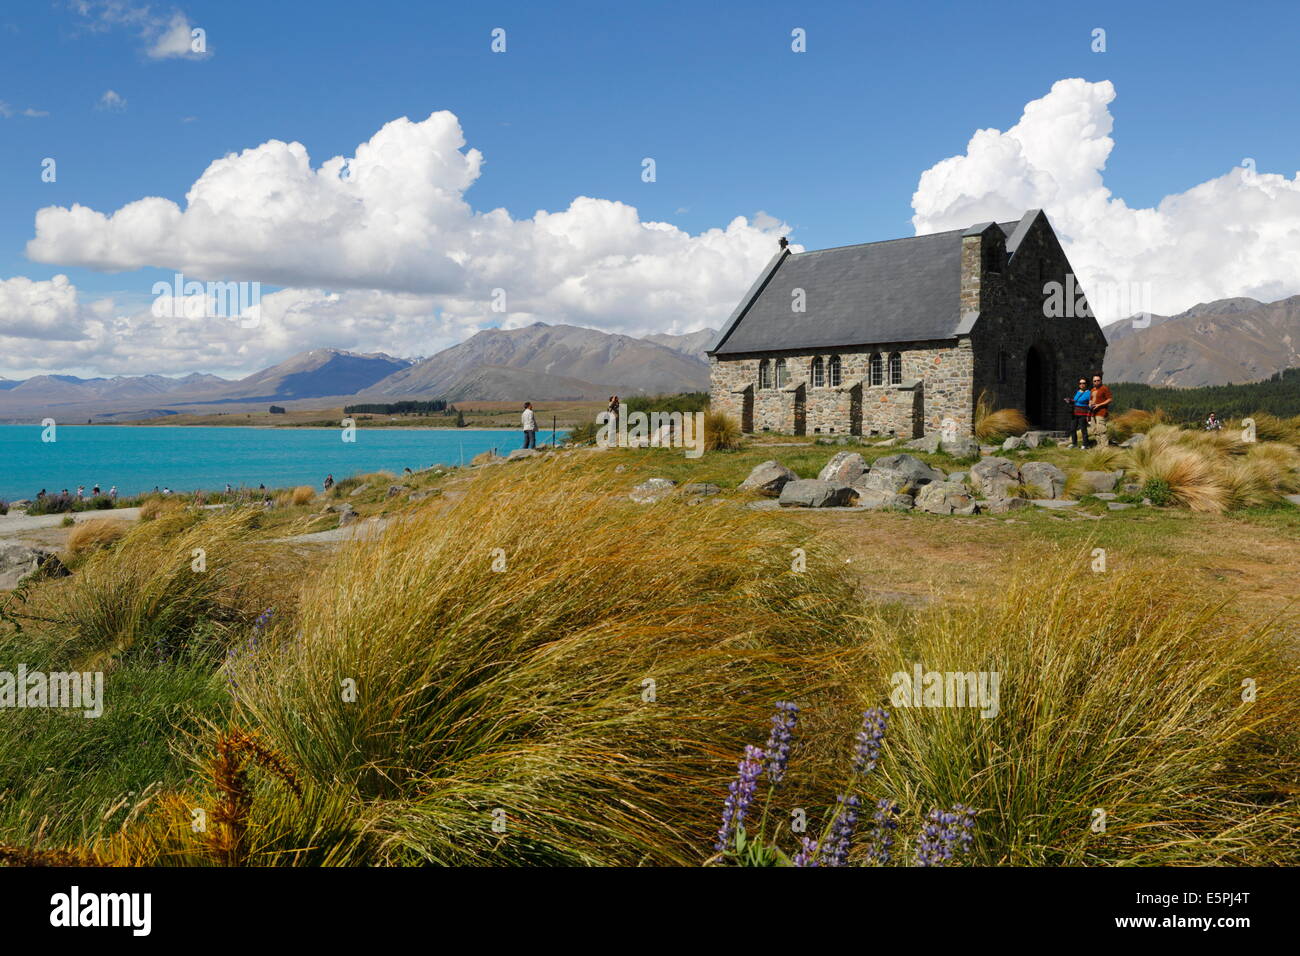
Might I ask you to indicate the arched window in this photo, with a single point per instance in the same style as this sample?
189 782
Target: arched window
764 374
833 372
876 369
780 373
818 373
895 368
1002 367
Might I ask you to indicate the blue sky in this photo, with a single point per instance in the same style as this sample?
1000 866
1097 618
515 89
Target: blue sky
831 141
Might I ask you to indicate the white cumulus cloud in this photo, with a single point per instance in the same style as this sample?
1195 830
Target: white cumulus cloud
1235 235
393 218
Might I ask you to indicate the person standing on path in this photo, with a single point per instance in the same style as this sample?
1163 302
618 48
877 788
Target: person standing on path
529 421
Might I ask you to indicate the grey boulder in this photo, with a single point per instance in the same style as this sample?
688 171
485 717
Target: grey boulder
652 490
701 489
815 493
20 561
843 469
1100 481
998 506
1045 476
927 443
964 447
914 471
768 479
884 501
995 477
945 498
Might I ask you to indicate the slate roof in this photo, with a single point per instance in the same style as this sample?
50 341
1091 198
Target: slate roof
899 290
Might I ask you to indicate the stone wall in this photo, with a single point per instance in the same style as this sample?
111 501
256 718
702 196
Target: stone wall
936 384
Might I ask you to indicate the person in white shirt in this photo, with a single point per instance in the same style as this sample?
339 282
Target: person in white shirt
530 426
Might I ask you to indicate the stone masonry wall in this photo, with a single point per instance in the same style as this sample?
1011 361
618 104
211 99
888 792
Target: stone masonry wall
937 381
1013 320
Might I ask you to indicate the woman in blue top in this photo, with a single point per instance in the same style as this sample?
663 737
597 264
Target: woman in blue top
1079 423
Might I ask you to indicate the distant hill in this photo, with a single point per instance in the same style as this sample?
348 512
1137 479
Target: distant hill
319 373
1214 343
314 374
547 362
692 343
540 362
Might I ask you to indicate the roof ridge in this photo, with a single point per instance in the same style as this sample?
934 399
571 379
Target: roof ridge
877 242
881 242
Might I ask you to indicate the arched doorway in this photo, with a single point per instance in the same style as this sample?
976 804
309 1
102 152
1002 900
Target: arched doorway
1040 379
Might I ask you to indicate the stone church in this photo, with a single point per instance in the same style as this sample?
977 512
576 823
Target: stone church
892 338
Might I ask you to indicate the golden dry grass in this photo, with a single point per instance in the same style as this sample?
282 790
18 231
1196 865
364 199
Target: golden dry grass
95 534
993 426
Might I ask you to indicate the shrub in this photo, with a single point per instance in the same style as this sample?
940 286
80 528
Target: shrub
94 535
302 495
1157 491
995 426
68 521
721 432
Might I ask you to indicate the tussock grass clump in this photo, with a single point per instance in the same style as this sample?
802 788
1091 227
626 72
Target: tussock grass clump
1188 471
1122 692
1271 428
1214 471
157 507
302 495
999 425
721 432
95 535
546 654
1135 421
165 584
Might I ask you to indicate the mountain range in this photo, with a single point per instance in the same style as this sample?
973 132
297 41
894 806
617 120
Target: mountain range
540 362
1228 341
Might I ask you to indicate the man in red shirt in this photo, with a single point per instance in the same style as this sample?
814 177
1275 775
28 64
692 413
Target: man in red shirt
1100 408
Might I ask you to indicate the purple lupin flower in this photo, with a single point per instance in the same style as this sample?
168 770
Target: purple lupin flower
835 852
740 793
808 852
944 831
882 834
777 751
866 749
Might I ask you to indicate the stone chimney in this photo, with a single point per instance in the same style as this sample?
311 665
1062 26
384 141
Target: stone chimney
983 255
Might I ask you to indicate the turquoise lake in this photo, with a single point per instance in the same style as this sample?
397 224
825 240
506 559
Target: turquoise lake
185 458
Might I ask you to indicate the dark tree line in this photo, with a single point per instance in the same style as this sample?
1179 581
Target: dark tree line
397 408
1279 395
